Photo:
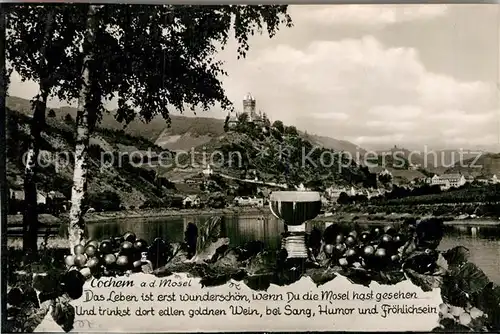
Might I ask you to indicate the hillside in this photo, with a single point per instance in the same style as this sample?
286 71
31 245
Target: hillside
486 165
137 185
184 132
335 144
436 161
132 185
279 158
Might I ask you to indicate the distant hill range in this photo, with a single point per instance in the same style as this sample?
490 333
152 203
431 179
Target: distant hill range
437 161
483 165
138 185
184 132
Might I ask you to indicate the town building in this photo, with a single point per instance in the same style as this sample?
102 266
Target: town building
191 201
386 172
249 201
208 171
414 166
447 181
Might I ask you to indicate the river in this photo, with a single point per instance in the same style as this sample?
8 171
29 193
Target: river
482 241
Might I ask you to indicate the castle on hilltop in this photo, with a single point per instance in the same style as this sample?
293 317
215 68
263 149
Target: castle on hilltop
249 108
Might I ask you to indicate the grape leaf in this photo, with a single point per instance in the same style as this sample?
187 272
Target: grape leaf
425 282
209 232
452 293
215 280
390 277
358 276
263 262
259 282
321 276
471 279
457 256
489 301
63 313
30 316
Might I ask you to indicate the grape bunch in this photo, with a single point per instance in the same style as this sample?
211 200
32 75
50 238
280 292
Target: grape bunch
118 256
469 317
376 248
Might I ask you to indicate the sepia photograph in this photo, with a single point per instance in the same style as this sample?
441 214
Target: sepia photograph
251 167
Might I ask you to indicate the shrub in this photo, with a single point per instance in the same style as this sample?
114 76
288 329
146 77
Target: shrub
105 201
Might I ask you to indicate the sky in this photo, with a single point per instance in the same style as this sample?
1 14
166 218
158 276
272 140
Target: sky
375 75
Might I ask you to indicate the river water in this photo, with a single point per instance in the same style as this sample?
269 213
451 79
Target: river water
482 241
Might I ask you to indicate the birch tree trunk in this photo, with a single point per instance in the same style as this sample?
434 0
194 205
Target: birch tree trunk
30 217
76 228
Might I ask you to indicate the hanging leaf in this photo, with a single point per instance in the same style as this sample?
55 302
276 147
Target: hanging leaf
422 262
390 277
63 313
321 276
457 256
264 262
471 279
250 249
425 282
358 276
260 282
489 302
210 249
452 293
215 280
29 317
206 233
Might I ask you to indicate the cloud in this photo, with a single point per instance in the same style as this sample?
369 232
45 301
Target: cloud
331 116
363 91
366 14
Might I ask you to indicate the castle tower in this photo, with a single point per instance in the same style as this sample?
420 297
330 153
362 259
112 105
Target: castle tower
249 107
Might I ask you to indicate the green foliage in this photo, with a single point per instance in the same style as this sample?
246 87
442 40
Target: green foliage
33 29
385 178
180 43
485 194
105 201
51 113
291 131
278 125
216 200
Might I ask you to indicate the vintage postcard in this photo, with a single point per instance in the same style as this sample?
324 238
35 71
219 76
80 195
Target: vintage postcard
229 168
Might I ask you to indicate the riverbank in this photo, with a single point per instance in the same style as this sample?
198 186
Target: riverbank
380 218
345 215
47 219
161 213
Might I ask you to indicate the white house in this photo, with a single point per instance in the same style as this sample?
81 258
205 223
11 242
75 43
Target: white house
41 198
494 179
208 171
352 192
334 192
191 201
385 172
17 194
249 201
447 181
